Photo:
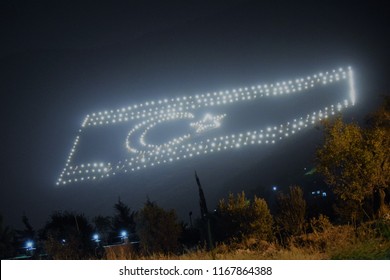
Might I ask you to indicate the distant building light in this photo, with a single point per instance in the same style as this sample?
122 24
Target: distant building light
319 193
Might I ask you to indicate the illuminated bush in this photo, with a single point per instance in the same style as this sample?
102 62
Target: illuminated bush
239 217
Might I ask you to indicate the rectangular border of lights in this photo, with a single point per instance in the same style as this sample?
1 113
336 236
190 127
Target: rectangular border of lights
184 105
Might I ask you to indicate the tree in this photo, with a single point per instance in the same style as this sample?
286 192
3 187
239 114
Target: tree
123 220
6 241
239 217
28 233
68 236
103 227
291 211
349 211
355 161
379 123
206 217
158 229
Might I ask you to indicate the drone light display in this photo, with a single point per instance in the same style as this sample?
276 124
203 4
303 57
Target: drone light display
140 119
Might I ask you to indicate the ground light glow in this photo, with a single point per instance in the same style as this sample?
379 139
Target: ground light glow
150 114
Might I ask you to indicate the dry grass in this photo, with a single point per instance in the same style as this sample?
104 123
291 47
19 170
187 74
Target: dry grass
120 252
325 242
266 251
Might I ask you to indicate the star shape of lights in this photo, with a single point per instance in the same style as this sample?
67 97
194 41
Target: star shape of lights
207 123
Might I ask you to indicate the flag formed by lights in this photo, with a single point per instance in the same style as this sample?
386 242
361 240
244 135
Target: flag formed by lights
138 153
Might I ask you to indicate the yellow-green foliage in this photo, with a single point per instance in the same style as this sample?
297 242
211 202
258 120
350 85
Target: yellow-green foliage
290 218
240 217
355 161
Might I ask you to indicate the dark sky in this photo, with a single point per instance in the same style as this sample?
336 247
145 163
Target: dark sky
60 60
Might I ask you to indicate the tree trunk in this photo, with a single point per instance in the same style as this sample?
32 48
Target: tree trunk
379 202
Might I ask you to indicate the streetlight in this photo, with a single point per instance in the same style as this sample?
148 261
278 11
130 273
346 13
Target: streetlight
29 247
124 236
95 237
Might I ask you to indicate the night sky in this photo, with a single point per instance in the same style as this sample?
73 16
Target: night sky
60 60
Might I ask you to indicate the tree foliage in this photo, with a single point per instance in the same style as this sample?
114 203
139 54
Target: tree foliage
124 219
355 161
103 227
239 217
68 236
27 233
6 240
158 230
206 222
291 211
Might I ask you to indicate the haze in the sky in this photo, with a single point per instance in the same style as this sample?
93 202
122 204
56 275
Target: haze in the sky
62 60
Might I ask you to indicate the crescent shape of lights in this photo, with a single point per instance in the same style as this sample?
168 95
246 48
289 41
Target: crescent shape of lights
148 115
151 123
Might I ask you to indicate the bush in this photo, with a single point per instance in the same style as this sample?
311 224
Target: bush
68 236
157 229
291 211
240 217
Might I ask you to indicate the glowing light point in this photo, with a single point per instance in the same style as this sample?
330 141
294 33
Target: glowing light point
95 237
29 245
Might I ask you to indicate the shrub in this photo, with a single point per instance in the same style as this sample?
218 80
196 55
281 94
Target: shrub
157 229
240 217
291 211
